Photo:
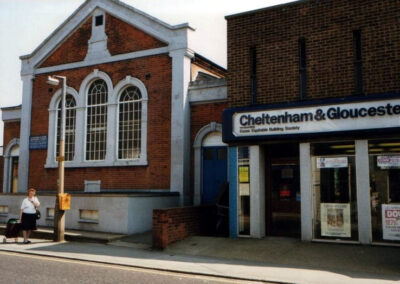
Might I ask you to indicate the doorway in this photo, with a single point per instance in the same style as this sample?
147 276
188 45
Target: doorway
283 191
214 173
14 174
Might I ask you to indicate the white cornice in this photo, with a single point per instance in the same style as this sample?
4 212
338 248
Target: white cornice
114 58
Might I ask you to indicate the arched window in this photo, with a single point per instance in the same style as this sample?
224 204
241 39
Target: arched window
96 127
70 123
129 128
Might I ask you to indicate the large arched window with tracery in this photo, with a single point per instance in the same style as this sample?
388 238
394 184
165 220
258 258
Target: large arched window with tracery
70 124
129 126
96 125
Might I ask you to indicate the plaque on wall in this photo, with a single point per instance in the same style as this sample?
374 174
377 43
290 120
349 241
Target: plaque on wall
38 142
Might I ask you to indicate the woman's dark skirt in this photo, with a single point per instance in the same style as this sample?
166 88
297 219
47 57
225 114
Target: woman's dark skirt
28 222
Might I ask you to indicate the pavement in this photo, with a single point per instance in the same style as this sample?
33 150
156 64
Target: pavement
282 260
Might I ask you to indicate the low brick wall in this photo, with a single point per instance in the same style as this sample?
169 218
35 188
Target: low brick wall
174 224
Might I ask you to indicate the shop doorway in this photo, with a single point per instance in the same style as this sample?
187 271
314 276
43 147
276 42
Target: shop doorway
283 191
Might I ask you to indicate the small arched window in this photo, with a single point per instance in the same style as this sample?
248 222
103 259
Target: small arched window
96 127
129 128
70 123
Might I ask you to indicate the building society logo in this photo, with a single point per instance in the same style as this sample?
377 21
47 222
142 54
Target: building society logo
309 118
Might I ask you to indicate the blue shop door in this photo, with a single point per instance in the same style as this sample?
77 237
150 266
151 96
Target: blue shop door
214 172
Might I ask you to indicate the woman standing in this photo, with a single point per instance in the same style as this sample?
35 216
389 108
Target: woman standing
27 216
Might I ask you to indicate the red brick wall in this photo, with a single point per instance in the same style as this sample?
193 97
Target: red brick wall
157 173
126 38
11 131
175 224
327 27
78 42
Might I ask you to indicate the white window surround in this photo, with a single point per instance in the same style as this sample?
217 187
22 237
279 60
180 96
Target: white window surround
112 124
199 140
119 88
8 154
52 133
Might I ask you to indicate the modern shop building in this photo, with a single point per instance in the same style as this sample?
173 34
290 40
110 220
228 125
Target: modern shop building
137 96
313 121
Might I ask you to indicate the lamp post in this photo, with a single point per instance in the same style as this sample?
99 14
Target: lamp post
59 217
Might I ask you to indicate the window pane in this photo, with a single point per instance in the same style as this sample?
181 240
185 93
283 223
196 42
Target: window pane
208 154
97 121
70 118
334 191
130 111
384 169
221 153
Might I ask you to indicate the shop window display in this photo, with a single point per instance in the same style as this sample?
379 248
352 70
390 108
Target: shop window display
334 191
384 168
244 190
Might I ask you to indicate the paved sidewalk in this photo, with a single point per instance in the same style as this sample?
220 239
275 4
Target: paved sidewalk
288 261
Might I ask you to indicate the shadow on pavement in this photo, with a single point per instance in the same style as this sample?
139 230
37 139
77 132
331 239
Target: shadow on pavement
354 261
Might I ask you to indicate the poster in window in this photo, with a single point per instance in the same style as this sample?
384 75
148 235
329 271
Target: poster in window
337 162
391 222
388 162
335 220
243 173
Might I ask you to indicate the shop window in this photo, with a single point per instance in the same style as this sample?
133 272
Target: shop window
384 168
96 135
129 130
70 122
334 191
244 190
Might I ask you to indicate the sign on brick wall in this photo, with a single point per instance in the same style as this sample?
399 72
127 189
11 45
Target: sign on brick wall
311 119
38 142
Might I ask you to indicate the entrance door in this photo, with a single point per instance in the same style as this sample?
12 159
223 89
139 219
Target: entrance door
283 200
214 172
14 174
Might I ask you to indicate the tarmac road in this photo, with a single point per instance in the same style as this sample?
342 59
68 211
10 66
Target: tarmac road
20 268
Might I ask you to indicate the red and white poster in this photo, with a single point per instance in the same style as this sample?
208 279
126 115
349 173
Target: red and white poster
336 162
335 220
391 222
388 162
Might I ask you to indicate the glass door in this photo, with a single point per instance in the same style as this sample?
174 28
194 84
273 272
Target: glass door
285 199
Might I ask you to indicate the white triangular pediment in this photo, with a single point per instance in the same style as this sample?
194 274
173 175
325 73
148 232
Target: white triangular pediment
176 37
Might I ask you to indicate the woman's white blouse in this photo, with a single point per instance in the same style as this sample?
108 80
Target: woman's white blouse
28 207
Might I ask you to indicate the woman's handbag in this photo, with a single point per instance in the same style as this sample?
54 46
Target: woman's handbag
37 214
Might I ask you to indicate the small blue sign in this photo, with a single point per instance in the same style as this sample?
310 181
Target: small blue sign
38 142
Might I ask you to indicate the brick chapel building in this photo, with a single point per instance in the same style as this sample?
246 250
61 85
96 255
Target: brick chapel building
141 108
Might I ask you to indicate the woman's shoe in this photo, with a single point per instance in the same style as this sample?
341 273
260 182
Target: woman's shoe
27 242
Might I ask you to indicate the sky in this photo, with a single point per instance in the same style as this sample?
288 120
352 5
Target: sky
25 24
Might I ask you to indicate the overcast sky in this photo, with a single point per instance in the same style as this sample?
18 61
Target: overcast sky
24 24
